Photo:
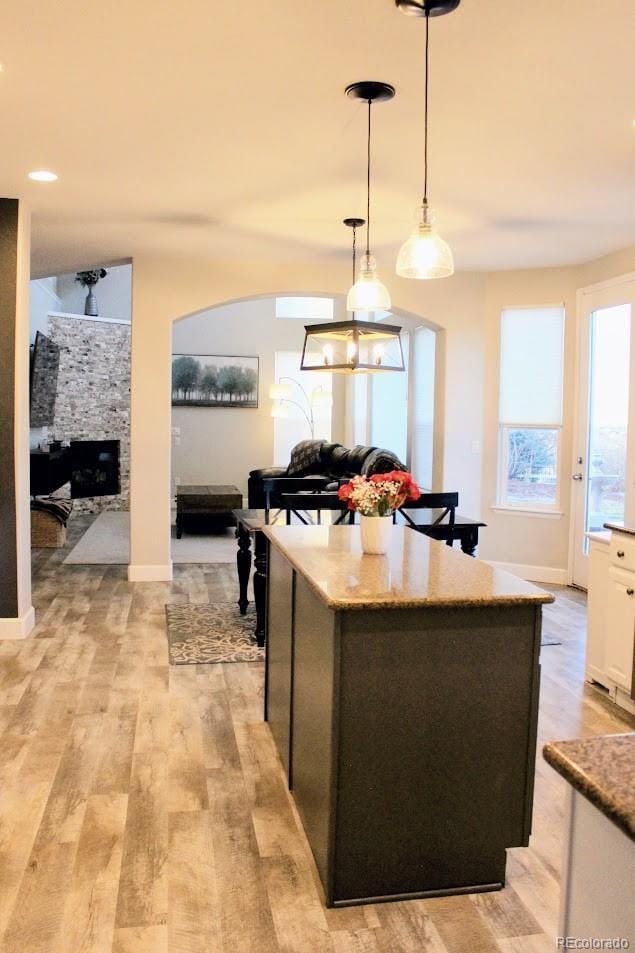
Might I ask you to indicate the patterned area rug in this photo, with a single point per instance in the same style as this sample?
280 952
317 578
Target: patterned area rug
199 634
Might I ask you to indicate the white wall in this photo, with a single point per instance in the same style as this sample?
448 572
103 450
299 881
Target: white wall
467 307
221 445
523 540
113 293
527 540
218 444
43 298
167 289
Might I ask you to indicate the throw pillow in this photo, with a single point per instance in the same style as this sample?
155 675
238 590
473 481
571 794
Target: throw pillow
305 458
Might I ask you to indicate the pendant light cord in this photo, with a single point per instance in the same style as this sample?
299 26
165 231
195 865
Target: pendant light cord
354 259
354 251
425 126
368 184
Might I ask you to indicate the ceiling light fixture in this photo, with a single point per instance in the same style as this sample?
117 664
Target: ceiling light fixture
367 292
42 175
348 347
425 254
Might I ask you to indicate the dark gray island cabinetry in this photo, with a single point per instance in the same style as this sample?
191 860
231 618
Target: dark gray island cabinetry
402 695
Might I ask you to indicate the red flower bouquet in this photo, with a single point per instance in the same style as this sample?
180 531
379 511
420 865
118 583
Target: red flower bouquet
380 494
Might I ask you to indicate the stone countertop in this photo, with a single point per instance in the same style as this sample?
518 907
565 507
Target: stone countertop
603 770
621 528
417 571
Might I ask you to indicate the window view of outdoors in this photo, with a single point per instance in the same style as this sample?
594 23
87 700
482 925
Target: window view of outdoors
608 415
532 466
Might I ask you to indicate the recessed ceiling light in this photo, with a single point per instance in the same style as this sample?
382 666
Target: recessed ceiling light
41 175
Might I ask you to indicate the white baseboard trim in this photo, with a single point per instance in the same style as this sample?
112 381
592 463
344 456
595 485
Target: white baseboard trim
159 573
18 628
548 574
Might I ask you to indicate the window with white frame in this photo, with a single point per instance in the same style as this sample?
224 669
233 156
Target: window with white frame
530 408
304 308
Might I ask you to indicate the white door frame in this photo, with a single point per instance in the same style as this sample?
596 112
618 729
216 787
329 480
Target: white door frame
580 413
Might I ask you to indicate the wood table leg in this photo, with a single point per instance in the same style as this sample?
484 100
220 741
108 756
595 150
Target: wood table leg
260 586
469 540
243 565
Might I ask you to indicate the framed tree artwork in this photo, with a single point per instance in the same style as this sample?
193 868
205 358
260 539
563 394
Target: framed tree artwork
213 380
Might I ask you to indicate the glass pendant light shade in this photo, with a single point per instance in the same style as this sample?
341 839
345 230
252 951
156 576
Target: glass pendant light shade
368 293
425 254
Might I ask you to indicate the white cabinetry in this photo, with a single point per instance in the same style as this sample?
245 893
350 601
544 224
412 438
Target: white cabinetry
597 606
596 899
620 628
611 615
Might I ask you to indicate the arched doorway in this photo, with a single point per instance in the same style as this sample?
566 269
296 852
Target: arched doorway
151 515
219 436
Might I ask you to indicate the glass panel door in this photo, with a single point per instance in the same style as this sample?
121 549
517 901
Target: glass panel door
608 416
604 468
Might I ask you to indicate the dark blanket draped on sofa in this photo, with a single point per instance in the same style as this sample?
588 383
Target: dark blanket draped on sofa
321 459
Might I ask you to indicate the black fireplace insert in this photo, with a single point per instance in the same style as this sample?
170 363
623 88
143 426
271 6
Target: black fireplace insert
95 468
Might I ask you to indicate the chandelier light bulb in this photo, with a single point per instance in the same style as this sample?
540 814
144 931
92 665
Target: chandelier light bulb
425 254
327 352
368 293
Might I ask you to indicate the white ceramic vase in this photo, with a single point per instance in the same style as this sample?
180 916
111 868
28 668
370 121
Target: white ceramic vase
376 531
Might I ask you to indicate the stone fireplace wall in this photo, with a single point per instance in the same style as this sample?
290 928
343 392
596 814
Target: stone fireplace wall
93 393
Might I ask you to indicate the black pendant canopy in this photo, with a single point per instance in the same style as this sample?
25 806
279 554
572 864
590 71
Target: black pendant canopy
371 91
352 346
430 8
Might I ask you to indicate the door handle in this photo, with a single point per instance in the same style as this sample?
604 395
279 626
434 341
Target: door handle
630 592
577 476
620 554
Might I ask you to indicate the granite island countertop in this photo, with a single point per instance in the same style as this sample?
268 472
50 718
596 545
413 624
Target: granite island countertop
603 770
417 571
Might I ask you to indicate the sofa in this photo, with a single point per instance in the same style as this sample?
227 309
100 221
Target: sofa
315 465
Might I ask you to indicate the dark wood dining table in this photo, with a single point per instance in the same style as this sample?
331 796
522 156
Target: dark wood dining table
465 530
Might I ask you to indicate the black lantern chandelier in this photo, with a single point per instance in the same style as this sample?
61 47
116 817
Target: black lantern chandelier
349 347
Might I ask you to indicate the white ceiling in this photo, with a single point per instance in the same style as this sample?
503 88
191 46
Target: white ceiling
222 129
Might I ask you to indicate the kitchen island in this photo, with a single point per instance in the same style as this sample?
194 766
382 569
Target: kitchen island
402 696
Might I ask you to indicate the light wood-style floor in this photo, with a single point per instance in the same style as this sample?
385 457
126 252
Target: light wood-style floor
143 809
